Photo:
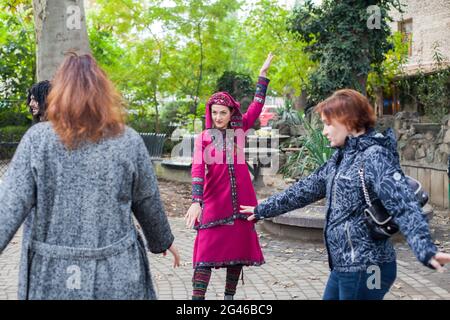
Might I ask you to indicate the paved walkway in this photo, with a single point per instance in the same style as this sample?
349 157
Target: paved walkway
293 270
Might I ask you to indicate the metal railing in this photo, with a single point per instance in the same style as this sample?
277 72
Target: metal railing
8 145
154 143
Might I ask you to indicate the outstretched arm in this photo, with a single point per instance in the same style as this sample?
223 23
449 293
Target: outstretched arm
388 183
300 194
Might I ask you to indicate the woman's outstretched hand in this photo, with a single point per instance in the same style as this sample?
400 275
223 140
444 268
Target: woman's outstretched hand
439 260
176 256
248 209
266 65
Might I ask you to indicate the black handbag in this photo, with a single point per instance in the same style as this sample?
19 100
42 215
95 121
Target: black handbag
379 221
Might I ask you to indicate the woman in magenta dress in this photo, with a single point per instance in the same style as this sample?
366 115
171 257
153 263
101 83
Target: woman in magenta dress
220 184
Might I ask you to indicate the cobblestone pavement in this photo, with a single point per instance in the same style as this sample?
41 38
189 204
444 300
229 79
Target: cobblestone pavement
293 270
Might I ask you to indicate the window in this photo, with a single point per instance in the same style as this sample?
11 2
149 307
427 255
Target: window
405 27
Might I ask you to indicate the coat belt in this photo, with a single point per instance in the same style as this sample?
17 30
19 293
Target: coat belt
63 252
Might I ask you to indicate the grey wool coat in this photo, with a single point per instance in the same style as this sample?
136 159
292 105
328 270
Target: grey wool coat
77 207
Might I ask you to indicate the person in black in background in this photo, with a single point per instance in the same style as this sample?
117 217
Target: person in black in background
37 100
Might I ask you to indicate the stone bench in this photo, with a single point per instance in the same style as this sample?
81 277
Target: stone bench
176 169
182 163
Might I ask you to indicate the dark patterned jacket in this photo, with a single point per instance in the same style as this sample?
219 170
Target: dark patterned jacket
349 246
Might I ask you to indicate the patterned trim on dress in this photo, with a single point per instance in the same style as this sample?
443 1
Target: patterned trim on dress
258 99
228 148
229 263
195 179
234 199
224 221
219 144
197 190
236 121
261 90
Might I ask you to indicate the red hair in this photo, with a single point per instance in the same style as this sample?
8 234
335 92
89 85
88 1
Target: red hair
83 104
348 107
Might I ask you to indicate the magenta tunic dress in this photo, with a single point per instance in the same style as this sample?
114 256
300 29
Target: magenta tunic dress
221 183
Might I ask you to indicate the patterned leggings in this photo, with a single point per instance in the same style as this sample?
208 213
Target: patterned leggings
201 278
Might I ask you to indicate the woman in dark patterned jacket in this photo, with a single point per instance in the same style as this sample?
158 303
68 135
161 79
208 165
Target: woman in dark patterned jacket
352 254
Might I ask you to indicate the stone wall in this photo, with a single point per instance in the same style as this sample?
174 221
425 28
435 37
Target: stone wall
424 143
424 149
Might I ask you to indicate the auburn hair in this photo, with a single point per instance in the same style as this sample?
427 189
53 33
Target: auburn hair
83 104
348 107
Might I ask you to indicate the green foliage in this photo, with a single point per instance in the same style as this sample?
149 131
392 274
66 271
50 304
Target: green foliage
17 53
11 136
12 133
176 113
239 85
316 143
430 89
288 115
141 123
314 151
265 30
434 89
10 117
338 37
153 51
384 73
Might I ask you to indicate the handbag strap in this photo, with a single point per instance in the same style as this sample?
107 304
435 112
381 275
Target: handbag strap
363 184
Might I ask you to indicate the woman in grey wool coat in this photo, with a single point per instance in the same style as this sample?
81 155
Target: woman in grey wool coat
77 181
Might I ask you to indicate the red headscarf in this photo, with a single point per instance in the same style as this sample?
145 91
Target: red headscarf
224 99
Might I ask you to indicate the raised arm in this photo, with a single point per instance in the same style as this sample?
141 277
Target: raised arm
255 108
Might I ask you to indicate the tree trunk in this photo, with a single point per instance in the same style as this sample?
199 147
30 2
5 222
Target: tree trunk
60 27
200 76
155 102
379 101
300 101
362 81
